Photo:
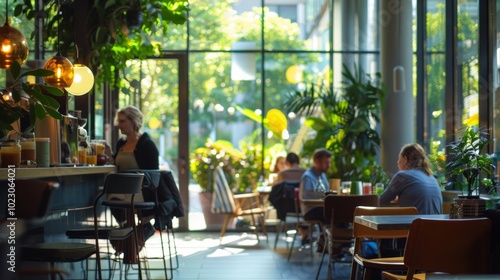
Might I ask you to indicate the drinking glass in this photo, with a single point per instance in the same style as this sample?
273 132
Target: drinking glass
28 149
92 155
379 188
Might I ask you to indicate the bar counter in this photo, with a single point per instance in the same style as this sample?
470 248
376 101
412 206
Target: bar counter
51 172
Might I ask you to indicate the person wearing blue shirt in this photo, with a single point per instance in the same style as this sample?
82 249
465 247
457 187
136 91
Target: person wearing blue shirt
313 185
414 184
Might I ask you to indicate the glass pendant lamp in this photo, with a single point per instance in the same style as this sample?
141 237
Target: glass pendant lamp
13 44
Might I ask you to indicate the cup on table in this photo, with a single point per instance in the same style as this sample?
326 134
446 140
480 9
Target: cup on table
28 149
356 187
92 155
42 151
379 188
367 188
346 188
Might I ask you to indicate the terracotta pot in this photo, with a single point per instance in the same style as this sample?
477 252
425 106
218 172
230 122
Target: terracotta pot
213 221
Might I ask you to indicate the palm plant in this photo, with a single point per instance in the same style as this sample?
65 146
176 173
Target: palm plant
345 121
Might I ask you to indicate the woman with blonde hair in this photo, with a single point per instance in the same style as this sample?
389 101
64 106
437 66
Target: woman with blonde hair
414 184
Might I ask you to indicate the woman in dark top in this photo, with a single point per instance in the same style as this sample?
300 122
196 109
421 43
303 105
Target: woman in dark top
135 150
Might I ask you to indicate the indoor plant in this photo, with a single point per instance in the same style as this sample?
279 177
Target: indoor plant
470 169
345 121
21 98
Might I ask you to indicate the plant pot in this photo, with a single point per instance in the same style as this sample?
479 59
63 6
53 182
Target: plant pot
471 207
212 221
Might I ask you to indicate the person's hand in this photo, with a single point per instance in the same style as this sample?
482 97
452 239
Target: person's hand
108 152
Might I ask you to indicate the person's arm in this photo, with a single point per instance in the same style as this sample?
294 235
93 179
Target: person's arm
392 191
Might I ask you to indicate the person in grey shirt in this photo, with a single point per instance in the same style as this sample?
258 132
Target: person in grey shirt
414 184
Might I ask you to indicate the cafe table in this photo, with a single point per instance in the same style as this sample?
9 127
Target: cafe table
394 222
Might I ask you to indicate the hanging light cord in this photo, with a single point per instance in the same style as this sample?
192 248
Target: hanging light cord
58 25
7 12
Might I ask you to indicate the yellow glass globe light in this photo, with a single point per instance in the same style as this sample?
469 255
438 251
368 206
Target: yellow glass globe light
63 72
13 46
83 80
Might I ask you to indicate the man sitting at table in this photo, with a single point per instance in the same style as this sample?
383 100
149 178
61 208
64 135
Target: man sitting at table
313 185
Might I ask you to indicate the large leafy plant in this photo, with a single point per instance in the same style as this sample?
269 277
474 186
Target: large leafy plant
21 98
469 167
344 121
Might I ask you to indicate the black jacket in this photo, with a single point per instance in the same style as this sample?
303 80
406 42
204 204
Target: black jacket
145 153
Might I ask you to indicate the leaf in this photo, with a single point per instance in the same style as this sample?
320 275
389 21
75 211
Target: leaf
52 90
37 73
40 111
15 69
53 113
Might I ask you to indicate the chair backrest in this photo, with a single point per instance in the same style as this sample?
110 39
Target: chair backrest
222 198
32 198
282 197
339 211
455 246
123 183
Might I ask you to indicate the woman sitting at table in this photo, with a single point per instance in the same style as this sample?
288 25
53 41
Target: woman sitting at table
135 150
413 185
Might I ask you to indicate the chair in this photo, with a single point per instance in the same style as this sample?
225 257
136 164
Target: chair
301 222
455 246
282 198
160 188
361 232
339 210
235 205
33 198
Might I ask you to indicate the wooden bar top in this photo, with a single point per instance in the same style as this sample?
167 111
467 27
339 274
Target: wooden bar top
46 172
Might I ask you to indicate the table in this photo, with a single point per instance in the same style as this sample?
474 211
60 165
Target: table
394 222
314 202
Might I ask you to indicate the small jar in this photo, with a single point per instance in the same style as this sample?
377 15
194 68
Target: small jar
10 151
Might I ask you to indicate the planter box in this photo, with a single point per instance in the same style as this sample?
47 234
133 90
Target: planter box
472 207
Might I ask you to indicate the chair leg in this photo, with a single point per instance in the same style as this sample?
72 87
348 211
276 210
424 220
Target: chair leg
279 228
175 249
293 242
224 227
263 223
255 227
327 244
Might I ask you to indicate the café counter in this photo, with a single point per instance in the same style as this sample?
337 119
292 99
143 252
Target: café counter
48 172
78 185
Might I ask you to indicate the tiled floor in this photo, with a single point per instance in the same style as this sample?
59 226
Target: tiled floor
240 256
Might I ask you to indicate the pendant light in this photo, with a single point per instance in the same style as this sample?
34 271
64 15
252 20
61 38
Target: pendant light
60 65
84 78
13 44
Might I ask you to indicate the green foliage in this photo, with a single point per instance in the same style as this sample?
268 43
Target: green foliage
32 99
242 168
344 122
468 162
117 30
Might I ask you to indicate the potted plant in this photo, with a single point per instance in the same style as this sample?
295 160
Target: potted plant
345 121
470 169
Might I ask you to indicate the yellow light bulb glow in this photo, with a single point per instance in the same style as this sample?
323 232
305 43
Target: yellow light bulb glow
83 80
14 46
63 72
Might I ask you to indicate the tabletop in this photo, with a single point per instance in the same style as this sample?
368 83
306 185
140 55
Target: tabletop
394 222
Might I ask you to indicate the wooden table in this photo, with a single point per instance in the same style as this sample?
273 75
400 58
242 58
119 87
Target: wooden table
313 202
394 222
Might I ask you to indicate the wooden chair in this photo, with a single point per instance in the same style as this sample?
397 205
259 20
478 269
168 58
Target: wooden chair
339 210
456 246
361 232
236 205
